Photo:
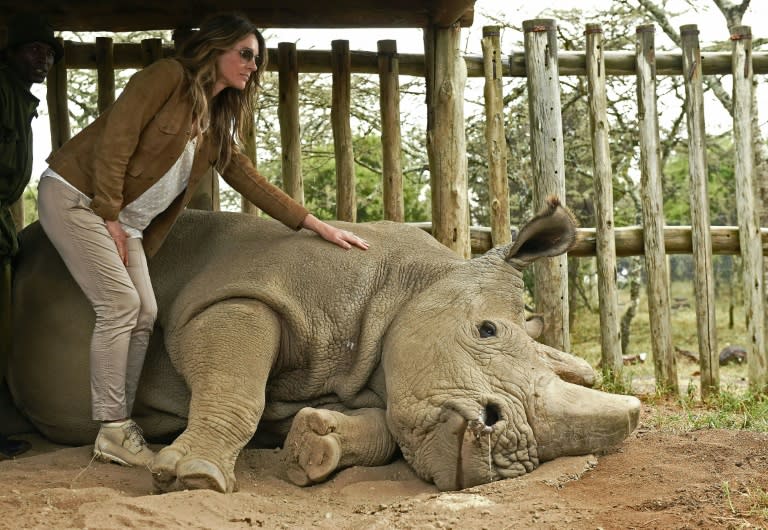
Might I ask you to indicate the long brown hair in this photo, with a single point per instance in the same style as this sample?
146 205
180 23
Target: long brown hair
227 114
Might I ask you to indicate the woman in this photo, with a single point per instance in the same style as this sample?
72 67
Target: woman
112 193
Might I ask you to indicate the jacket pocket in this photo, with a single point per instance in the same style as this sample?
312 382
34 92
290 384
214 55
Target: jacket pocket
8 135
160 138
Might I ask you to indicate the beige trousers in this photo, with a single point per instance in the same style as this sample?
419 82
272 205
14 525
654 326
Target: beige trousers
121 296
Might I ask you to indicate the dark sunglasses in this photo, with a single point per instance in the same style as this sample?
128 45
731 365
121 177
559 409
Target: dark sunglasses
247 55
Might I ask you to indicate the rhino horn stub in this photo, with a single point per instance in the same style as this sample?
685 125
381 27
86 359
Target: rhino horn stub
568 367
571 420
550 233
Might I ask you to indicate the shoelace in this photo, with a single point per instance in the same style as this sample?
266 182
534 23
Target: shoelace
135 434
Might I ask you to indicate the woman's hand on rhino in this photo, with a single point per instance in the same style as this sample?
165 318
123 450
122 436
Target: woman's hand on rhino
343 238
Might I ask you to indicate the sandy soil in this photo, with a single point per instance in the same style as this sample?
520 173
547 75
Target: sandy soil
703 479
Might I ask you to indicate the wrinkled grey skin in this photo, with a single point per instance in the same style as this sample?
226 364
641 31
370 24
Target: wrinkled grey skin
341 355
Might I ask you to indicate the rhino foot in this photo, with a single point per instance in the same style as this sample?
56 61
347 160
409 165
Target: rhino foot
163 469
173 471
313 450
197 474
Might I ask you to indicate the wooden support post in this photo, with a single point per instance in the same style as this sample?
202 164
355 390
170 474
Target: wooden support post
704 275
206 196
56 96
446 138
346 202
105 73
249 148
548 168
653 215
288 115
151 50
605 240
389 102
495 138
746 197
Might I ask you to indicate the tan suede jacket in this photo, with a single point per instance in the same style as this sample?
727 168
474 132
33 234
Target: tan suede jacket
136 141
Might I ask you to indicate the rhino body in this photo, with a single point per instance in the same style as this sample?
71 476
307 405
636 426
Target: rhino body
342 356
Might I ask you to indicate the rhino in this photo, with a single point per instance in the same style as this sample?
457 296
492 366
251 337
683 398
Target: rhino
271 336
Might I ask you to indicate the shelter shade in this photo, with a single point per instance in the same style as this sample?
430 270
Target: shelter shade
116 15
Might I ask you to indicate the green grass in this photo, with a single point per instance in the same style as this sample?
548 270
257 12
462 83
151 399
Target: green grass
639 378
745 501
734 407
727 410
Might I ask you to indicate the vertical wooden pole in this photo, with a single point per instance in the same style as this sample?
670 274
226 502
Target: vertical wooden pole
56 96
151 50
746 198
495 138
288 115
704 276
548 165
249 149
341 61
446 138
653 214
389 102
105 73
610 335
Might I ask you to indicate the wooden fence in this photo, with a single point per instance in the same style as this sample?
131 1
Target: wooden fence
542 64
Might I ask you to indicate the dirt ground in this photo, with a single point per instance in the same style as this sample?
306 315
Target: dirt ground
702 479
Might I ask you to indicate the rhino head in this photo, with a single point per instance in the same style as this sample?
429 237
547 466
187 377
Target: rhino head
472 398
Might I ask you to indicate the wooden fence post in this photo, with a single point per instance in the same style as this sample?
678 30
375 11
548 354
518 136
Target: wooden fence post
494 137
105 73
389 103
548 166
746 197
151 50
653 215
288 115
56 96
704 277
346 203
446 139
610 336
249 149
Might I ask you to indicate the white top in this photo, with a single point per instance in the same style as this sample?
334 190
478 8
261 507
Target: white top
137 215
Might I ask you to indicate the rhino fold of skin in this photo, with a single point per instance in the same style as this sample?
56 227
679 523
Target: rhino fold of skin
276 336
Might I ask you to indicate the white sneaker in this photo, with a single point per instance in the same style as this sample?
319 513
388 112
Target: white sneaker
122 443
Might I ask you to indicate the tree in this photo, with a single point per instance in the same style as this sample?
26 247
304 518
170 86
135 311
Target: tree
318 164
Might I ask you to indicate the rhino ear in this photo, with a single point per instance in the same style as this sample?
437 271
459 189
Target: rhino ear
534 325
551 233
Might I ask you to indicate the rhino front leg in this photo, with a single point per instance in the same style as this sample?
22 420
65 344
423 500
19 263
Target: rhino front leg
225 354
323 441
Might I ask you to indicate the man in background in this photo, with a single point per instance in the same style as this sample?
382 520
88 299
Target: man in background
30 52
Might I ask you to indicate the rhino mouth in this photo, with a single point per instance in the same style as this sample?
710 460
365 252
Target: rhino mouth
471 433
485 444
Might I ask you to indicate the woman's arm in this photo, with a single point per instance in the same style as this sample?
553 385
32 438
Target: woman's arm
244 178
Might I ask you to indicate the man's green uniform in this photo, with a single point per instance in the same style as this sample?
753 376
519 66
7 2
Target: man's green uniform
17 108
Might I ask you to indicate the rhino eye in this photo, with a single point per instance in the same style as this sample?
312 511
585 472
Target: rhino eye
487 329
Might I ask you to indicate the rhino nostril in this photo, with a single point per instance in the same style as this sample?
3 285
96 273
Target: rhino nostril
492 415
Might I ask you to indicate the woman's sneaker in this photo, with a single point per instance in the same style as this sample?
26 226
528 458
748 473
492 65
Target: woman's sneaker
122 443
